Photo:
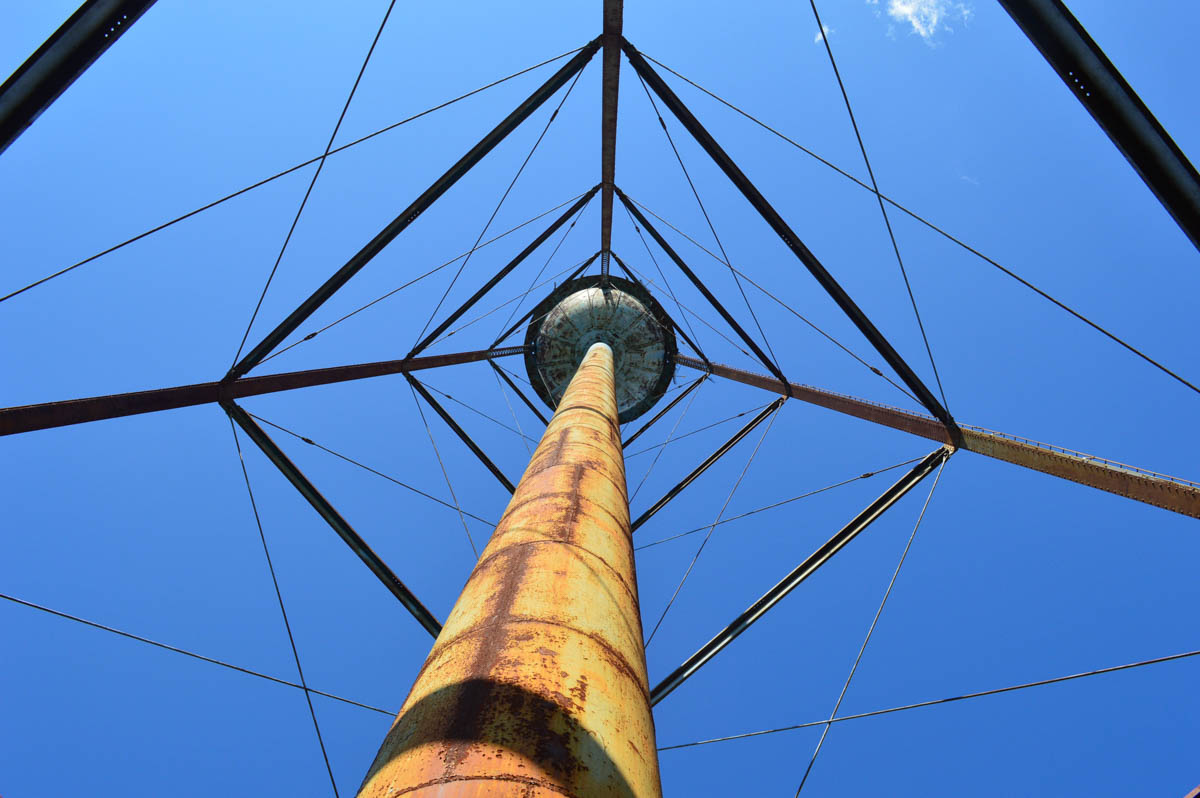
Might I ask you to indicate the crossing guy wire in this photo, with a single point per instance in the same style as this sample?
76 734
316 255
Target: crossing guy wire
882 208
308 192
175 649
940 231
707 219
500 204
712 527
871 630
875 370
278 175
282 610
951 699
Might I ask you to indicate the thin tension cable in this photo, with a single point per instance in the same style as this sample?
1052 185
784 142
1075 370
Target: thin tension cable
284 173
308 193
282 610
365 467
875 370
191 654
417 279
773 505
500 204
882 208
871 630
936 229
662 123
951 699
712 527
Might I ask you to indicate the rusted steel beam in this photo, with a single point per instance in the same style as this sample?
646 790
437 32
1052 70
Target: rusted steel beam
332 517
78 411
799 573
1160 490
93 28
418 206
708 461
537 685
609 90
461 433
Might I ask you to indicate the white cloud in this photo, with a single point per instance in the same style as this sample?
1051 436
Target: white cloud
820 35
927 17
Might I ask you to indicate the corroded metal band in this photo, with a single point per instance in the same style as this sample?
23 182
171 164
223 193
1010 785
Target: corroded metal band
537 684
648 391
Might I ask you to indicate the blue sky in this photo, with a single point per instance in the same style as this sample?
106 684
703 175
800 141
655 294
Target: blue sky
144 523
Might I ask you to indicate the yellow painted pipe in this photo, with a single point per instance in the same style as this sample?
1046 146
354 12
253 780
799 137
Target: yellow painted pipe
537 685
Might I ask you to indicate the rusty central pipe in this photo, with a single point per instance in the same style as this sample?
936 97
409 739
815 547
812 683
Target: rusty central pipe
537 685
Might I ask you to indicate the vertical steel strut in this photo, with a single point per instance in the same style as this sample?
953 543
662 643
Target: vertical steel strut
537 685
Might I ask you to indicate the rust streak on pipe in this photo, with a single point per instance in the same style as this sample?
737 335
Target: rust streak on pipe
537 685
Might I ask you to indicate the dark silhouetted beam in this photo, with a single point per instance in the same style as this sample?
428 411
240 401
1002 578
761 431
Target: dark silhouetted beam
708 461
798 575
334 519
1114 105
789 237
62 58
524 318
78 411
419 206
700 286
504 272
517 390
462 434
664 411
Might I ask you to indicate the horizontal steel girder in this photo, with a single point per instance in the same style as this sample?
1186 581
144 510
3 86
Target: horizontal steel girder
78 411
1158 490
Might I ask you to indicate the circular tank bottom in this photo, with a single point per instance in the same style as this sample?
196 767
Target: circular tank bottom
621 314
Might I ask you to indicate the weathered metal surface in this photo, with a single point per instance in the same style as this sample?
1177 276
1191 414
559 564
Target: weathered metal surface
609 89
537 684
62 58
1160 490
1115 106
801 572
78 411
617 312
418 206
332 517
